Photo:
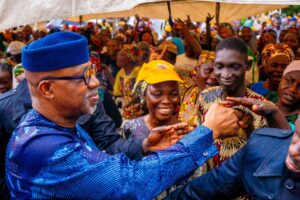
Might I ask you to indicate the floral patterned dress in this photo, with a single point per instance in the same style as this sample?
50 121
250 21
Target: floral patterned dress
228 146
188 111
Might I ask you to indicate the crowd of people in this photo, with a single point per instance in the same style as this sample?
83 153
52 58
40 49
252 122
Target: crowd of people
109 111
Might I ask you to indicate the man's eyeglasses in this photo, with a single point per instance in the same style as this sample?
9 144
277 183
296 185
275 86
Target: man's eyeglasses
86 76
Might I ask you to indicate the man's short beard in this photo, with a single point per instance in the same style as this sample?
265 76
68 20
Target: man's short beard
92 109
92 106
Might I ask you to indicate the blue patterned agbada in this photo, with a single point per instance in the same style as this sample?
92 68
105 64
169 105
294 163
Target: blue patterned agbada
44 160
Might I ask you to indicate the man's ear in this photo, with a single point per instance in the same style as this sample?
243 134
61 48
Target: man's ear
45 89
248 64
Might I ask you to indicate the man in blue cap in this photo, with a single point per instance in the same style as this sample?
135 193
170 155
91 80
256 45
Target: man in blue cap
50 156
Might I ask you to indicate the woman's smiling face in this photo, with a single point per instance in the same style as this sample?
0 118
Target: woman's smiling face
162 100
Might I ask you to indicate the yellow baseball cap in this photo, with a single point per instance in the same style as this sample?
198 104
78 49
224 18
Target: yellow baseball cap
158 71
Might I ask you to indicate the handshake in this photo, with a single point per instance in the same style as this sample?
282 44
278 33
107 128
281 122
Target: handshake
222 120
225 121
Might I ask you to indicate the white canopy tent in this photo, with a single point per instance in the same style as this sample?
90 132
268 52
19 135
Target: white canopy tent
20 12
197 10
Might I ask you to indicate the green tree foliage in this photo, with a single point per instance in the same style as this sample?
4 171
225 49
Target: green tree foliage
291 10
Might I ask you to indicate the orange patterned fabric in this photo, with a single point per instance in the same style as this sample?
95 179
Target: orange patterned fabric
273 50
189 107
205 57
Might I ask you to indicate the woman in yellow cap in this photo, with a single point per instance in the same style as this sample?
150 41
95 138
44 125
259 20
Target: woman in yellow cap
158 89
157 86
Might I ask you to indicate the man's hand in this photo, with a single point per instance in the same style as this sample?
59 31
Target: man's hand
189 23
259 107
245 118
165 136
293 159
180 24
209 18
222 120
266 109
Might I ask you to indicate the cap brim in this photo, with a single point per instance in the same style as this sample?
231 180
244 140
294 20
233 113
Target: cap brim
163 78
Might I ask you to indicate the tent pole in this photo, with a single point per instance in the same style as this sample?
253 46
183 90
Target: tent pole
170 14
80 20
217 13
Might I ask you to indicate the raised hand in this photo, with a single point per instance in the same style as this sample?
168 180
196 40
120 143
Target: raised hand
180 25
189 22
188 19
209 18
165 136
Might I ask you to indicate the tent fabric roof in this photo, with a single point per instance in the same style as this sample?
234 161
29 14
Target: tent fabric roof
197 10
20 12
